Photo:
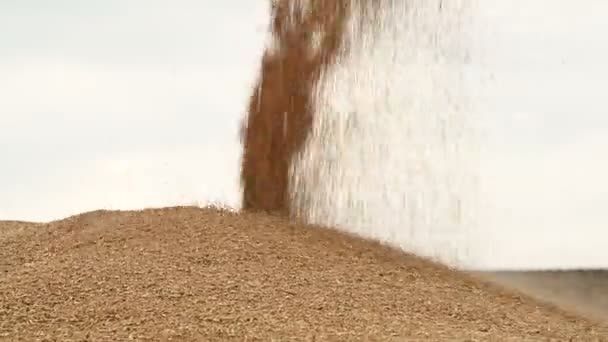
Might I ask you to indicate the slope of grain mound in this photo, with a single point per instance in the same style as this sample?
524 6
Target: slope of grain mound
578 290
205 274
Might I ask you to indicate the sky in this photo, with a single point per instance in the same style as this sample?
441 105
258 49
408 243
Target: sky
132 104
122 104
546 130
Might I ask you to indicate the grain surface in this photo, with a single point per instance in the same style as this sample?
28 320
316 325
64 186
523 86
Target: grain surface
192 274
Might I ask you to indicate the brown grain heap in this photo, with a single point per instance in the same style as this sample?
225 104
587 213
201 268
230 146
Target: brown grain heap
191 274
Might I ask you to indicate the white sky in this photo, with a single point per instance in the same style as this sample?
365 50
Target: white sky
128 104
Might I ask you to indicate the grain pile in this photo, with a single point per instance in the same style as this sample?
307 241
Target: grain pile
191 274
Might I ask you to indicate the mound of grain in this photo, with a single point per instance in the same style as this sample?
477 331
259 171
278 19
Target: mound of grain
205 274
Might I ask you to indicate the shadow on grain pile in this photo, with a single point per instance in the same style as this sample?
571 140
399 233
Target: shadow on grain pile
205 274
581 290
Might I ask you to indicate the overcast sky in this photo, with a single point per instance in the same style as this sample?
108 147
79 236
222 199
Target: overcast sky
122 103
128 104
